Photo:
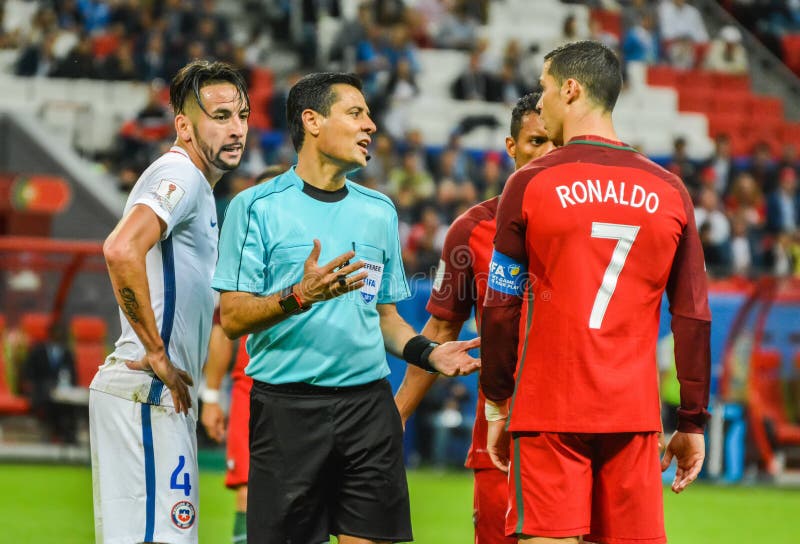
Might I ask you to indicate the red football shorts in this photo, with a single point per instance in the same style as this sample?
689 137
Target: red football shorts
491 503
605 486
238 448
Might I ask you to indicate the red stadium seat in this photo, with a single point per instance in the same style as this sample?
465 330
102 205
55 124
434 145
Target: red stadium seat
610 21
725 101
36 327
766 107
790 133
767 129
695 79
730 82
698 100
663 76
89 335
733 124
791 52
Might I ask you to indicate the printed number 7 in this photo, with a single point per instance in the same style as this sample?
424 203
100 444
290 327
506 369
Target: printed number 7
625 236
173 480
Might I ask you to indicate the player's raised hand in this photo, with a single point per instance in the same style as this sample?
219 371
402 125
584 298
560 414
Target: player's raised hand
213 419
330 280
689 450
498 443
453 359
176 380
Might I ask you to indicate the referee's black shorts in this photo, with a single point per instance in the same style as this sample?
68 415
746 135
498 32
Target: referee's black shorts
326 461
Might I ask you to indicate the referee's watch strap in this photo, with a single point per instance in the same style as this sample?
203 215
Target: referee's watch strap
417 352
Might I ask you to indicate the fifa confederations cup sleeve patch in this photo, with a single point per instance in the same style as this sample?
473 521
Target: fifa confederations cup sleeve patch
168 194
506 275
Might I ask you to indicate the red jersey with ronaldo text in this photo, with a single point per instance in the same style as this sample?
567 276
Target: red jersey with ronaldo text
599 232
460 285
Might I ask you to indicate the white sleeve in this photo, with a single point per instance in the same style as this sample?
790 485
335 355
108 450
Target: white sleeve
171 192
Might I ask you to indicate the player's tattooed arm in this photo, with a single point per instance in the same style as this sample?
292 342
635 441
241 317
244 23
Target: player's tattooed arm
130 304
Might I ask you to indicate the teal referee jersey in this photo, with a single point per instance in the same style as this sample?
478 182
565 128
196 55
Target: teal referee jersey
267 235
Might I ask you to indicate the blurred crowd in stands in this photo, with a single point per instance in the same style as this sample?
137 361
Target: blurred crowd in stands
747 208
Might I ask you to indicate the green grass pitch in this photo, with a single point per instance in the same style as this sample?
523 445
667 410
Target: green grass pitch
47 504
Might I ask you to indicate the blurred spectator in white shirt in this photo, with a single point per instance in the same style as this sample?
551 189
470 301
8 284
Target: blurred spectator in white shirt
708 211
742 248
726 53
679 19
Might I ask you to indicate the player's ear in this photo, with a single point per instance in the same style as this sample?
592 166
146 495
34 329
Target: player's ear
312 121
572 90
183 127
511 147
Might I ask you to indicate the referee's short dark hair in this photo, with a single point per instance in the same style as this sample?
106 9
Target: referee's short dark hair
524 106
199 73
314 92
593 65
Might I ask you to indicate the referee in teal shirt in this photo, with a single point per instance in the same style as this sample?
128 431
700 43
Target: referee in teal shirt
326 452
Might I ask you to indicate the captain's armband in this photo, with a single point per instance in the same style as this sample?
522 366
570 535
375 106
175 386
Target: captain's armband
506 275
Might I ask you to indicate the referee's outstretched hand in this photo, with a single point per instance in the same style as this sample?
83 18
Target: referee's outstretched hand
330 280
689 450
453 359
176 380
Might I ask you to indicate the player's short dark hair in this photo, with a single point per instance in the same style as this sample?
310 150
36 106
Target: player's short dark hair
593 65
524 106
199 73
314 92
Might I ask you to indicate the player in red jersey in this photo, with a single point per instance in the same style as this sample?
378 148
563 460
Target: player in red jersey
588 239
237 453
235 433
460 285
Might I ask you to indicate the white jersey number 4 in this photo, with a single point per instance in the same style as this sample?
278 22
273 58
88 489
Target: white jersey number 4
625 235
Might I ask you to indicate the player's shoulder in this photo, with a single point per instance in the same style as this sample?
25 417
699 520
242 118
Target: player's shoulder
175 163
269 191
370 197
482 211
465 224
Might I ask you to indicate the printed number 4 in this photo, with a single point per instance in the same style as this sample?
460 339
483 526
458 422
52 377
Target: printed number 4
173 481
625 236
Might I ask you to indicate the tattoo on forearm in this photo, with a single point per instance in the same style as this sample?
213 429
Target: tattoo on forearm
129 303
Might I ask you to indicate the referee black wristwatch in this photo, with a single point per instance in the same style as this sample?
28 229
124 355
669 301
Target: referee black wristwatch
290 303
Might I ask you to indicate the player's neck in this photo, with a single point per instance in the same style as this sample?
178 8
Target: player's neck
211 173
313 168
590 123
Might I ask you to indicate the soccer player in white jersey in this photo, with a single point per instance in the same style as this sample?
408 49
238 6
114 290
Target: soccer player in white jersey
161 259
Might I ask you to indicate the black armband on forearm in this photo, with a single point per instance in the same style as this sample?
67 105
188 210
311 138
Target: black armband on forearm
417 350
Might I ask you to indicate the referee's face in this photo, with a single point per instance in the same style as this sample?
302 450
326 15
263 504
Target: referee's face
344 134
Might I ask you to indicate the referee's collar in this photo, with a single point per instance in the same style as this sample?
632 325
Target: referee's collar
600 141
320 194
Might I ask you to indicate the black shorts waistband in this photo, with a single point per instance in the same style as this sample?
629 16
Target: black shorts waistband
303 388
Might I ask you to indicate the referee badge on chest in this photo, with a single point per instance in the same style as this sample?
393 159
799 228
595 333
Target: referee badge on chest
372 283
